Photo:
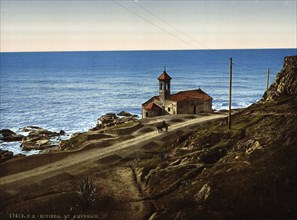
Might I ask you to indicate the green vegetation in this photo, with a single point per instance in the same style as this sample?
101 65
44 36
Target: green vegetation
124 129
74 142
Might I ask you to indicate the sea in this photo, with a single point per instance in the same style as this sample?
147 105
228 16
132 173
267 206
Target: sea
70 90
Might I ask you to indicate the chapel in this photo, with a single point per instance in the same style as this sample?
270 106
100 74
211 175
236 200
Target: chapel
183 102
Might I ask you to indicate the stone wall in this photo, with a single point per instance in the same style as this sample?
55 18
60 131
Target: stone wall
170 107
150 113
194 106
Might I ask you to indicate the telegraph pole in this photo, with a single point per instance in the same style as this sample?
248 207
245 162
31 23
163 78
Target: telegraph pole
267 80
230 95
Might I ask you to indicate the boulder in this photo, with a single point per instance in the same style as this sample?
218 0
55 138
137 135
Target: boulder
43 132
35 144
6 132
106 120
30 128
124 114
5 155
110 119
35 131
112 115
10 136
39 139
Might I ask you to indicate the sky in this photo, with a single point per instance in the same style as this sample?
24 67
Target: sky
97 25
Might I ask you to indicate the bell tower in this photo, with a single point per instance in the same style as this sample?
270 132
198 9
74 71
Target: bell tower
164 86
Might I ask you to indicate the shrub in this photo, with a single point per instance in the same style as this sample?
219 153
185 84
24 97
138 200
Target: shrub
86 192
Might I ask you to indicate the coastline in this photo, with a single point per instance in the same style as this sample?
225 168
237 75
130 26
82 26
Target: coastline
140 135
57 140
15 147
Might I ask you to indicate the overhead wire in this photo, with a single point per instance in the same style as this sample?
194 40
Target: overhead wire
177 30
185 34
188 36
148 21
166 31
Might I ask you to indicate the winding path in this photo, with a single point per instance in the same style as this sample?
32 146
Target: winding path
85 158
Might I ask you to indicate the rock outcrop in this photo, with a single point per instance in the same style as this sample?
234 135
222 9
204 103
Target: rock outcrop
106 120
125 114
5 155
10 136
39 138
111 119
285 83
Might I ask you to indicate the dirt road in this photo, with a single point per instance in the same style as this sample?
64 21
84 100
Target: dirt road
77 161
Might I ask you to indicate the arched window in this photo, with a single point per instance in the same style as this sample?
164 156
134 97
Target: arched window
167 86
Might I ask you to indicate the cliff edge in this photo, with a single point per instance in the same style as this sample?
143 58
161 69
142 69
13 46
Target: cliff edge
285 83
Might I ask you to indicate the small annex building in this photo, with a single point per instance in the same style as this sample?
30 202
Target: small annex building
183 102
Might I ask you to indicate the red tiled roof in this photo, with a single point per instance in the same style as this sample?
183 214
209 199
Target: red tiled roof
151 106
164 75
190 94
180 96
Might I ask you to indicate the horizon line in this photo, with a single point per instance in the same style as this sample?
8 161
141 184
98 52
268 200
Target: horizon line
143 50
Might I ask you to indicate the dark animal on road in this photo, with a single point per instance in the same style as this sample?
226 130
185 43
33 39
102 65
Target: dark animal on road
162 127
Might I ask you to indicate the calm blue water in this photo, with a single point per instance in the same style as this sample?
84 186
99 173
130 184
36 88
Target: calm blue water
70 90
